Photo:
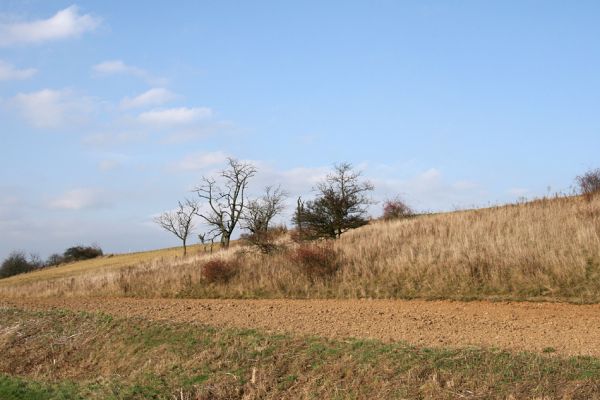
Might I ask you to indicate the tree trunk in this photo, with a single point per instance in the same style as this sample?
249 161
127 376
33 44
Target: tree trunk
184 248
225 241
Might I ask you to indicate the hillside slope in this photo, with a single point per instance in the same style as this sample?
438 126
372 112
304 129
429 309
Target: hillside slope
542 250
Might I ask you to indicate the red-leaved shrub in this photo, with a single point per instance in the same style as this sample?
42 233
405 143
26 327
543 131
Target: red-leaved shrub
317 261
396 209
219 271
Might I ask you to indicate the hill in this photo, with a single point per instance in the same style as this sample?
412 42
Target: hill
547 249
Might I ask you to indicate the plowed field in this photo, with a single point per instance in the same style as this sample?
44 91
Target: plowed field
551 327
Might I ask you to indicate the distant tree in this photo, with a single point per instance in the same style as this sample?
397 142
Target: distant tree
341 204
79 253
16 263
54 259
259 213
180 221
396 208
589 183
258 216
225 203
208 237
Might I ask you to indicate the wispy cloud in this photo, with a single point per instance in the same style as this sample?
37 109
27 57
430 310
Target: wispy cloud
67 23
111 139
152 97
108 165
8 72
79 199
118 67
175 116
49 108
199 161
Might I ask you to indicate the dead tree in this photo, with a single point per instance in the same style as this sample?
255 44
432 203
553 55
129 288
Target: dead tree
180 221
225 204
207 237
259 213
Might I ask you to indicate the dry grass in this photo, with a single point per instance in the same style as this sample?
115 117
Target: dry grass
100 264
60 354
546 250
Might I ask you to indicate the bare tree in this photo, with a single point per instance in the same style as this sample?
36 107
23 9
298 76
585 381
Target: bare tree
341 204
589 183
208 237
180 221
225 204
260 212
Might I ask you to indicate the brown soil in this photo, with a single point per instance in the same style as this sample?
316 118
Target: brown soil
564 328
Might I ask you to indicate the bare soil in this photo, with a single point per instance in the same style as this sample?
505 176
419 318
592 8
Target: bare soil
564 329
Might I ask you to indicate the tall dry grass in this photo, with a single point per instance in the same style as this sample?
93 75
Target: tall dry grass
547 249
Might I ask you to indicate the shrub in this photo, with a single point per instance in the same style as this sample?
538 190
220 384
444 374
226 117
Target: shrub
78 253
219 271
317 261
396 209
589 183
16 263
266 241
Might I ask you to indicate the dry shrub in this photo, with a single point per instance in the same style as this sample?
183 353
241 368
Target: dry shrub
317 261
539 250
396 208
220 271
589 183
266 241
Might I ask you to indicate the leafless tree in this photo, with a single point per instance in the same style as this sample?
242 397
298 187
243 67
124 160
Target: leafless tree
340 205
208 237
180 221
260 212
225 204
589 183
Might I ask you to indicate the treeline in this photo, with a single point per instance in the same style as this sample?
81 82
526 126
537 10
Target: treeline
339 204
221 203
18 262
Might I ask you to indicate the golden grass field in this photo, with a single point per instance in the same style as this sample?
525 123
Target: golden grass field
548 249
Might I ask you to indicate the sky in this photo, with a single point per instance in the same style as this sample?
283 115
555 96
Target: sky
113 111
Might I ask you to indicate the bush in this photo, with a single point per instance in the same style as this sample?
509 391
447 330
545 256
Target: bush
266 241
589 183
396 209
317 262
219 271
16 263
78 253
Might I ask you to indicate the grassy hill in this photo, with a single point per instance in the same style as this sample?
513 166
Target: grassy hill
547 249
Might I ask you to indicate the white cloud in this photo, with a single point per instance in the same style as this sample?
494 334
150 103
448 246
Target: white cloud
429 190
118 67
108 165
199 161
52 108
79 199
174 116
64 24
152 97
8 72
109 139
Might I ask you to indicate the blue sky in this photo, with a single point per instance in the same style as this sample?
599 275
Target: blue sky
112 111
